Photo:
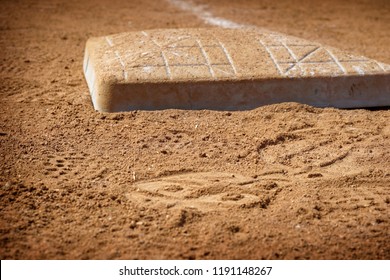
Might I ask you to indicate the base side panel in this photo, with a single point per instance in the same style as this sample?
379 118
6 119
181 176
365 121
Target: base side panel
340 92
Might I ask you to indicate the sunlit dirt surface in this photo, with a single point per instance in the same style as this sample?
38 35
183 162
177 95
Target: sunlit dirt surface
285 181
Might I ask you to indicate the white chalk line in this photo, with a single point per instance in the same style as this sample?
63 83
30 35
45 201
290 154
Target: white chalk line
206 16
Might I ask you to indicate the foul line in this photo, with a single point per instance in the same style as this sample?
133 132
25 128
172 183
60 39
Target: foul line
206 16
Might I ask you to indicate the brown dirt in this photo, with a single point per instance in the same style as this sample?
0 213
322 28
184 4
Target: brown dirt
280 182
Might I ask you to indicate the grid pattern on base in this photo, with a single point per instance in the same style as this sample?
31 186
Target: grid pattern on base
200 56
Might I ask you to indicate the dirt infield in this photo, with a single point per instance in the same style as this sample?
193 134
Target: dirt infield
284 181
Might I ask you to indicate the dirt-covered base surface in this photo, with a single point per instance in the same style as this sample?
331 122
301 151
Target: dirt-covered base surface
286 181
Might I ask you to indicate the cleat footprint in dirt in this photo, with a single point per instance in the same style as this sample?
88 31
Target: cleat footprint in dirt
204 190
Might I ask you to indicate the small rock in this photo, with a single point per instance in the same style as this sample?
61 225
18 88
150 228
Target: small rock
314 175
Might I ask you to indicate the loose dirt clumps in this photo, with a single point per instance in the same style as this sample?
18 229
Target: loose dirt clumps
285 181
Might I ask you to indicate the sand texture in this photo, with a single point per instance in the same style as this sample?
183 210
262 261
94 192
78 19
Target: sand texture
283 181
